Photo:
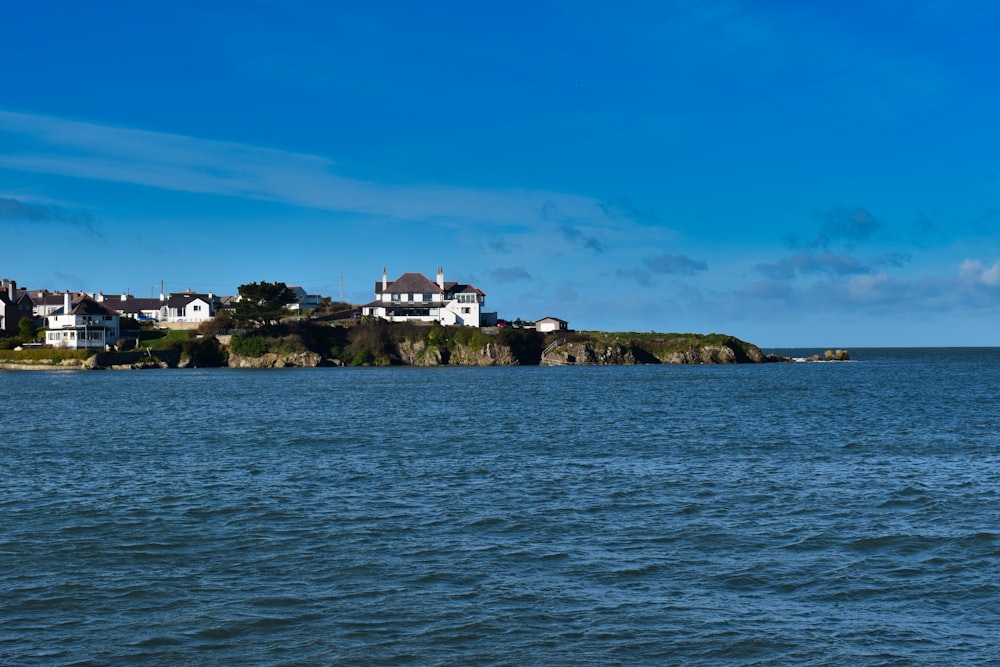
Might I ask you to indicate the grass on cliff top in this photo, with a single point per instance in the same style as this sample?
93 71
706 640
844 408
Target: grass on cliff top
664 342
155 339
45 354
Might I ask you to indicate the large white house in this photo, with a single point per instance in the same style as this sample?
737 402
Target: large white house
84 325
413 297
189 307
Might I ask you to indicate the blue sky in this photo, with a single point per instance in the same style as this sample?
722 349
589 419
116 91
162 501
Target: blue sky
795 174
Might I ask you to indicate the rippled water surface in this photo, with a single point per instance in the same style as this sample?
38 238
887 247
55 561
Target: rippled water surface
826 514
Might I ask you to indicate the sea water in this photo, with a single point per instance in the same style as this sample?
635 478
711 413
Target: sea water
817 514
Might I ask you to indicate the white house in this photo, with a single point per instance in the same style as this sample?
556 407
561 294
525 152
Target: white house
86 324
189 307
413 297
549 324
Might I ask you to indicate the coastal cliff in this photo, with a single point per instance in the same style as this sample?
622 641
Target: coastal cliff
599 348
382 344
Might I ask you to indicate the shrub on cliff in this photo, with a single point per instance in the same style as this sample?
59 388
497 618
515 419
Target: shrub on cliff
247 345
471 337
203 352
525 345
223 321
370 344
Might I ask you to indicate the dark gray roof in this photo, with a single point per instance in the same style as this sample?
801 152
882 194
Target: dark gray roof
182 299
410 283
87 306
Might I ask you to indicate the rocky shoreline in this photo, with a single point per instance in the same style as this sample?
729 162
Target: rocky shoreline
419 353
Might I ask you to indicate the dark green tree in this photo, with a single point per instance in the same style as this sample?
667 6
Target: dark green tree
26 327
262 304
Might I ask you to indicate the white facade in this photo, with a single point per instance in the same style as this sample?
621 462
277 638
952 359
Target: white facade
87 325
549 324
188 307
415 298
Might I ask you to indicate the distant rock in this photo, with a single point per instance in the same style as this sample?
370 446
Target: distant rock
830 355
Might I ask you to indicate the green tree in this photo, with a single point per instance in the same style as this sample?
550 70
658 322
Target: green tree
262 304
26 327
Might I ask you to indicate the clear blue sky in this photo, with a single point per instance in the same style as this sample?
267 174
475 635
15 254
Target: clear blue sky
795 174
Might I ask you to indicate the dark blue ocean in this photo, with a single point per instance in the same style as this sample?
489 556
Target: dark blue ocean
807 514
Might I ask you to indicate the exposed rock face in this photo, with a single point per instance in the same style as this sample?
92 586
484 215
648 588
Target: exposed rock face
272 360
618 354
710 354
417 353
492 354
586 353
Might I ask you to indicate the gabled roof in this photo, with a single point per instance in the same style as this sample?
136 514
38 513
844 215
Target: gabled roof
87 306
52 298
411 283
465 289
182 299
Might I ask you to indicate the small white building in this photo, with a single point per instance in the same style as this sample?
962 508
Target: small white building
550 324
84 325
415 298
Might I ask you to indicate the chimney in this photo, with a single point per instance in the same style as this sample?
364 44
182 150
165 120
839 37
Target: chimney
385 279
67 303
440 277
12 290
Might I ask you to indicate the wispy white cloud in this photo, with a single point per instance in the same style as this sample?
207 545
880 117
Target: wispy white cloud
976 272
50 145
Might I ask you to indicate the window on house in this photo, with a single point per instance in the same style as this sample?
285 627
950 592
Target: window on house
395 297
427 297
409 297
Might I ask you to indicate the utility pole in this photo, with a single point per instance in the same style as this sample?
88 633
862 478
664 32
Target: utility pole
342 288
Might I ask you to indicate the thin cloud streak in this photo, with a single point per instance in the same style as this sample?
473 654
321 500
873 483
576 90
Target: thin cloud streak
50 145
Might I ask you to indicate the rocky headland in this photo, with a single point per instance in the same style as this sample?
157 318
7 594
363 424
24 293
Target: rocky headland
382 344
